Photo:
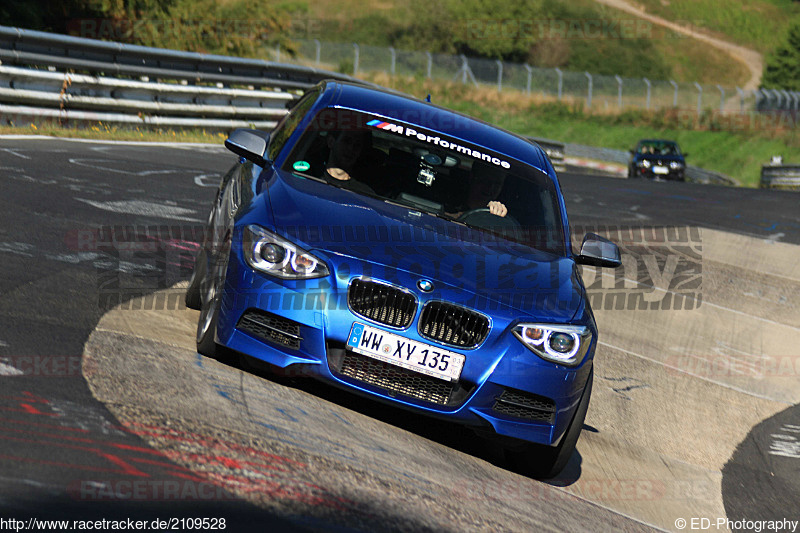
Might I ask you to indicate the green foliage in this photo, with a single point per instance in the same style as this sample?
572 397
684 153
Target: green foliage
546 33
782 68
211 27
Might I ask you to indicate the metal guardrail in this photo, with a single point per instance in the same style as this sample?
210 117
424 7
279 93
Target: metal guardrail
28 47
780 177
119 83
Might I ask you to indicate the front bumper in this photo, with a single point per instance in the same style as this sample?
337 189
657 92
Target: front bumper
302 327
672 174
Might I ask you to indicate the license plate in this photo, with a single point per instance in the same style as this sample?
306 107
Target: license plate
660 170
406 353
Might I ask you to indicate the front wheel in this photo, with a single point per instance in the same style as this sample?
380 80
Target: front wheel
194 298
211 287
545 462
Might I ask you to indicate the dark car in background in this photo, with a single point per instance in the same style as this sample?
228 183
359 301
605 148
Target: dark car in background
657 159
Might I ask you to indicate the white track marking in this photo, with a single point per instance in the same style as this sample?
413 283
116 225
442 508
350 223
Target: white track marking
142 208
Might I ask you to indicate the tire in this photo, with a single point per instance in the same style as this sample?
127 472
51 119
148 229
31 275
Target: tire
193 298
210 290
545 462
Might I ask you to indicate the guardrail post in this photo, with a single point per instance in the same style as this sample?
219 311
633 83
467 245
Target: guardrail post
277 53
647 100
318 46
530 72
741 100
675 93
499 75
430 63
699 98
721 99
355 59
393 52
589 91
788 98
560 82
619 91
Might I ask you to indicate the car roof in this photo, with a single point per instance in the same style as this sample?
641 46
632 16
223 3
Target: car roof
405 108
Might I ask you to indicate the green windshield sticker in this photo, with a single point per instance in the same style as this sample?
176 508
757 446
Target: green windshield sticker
301 166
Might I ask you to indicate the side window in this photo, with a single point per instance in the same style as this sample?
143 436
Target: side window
286 127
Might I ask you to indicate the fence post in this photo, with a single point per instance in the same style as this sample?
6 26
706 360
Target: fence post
647 101
560 82
778 98
741 100
499 75
721 99
589 92
277 53
394 60
675 93
788 98
699 98
355 59
430 64
318 46
619 90
530 72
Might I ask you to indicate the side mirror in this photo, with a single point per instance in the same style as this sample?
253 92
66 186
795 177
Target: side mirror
632 152
685 155
598 251
250 144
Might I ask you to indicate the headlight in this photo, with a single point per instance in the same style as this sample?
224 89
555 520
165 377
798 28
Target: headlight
274 255
565 345
675 165
644 163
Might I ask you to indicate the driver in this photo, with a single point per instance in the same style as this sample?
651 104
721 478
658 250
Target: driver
485 183
343 159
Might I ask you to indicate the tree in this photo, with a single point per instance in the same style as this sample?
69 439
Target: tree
782 68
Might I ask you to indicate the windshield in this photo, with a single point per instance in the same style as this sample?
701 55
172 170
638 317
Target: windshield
659 148
432 173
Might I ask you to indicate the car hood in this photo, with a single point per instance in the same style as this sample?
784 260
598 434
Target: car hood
402 246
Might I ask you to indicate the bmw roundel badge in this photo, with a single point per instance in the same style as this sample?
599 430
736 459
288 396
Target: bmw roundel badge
425 285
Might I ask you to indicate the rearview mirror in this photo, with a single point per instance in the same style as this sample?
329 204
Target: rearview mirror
598 251
250 144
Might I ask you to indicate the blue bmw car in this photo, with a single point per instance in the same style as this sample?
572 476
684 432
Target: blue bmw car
409 254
